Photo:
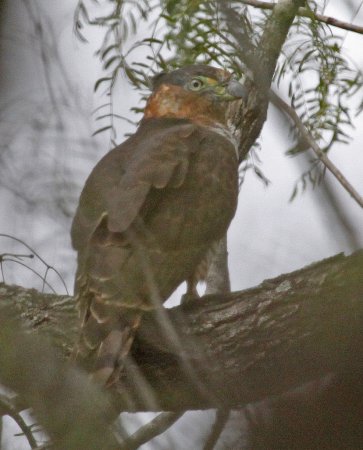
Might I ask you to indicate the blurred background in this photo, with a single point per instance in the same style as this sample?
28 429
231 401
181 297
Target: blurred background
47 106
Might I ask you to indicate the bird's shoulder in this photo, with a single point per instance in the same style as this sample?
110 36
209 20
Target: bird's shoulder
156 155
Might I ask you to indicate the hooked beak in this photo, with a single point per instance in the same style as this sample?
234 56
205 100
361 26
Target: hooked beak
230 90
236 90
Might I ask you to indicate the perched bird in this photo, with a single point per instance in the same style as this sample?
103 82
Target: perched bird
151 209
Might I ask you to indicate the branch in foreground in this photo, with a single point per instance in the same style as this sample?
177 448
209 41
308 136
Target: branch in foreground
244 346
72 411
8 409
304 132
304 12
221 419
152 429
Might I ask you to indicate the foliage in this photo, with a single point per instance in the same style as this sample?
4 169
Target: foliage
318 77
321 81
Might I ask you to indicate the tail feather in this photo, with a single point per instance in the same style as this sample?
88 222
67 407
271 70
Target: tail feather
114 348
107 357
107 334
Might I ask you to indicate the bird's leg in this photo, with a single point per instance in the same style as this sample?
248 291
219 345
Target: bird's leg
191 293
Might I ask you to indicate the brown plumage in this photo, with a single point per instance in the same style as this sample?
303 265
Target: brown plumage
151 209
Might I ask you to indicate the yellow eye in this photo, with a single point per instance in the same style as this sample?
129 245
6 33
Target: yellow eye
196 84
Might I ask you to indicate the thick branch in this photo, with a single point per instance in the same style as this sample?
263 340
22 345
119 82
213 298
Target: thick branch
246 119
243 346
274 35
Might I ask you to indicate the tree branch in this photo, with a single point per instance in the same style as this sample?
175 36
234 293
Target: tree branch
73 412
152 429
265 341
217 280
222 417
273 38
304 12
7 408
305 134
250 116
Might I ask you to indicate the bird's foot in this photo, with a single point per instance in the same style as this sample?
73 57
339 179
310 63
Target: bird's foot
189 297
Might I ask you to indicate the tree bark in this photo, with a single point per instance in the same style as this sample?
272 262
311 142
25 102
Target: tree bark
217 280
243 346
246 118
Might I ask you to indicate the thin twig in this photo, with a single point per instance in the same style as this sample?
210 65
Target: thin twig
152 429
7 408
304 12
280 103
37 255
222 416
3 258
31 270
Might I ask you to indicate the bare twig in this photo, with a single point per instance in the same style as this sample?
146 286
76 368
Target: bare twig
7 408
222 416
351 233
304 12
287 109
16 256
45 283
3 257
152 429
48 267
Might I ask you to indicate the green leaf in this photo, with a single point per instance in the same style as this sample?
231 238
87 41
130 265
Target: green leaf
101 130
100 81
152 41
108 49
110 61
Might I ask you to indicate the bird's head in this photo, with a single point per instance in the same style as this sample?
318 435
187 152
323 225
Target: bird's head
198 92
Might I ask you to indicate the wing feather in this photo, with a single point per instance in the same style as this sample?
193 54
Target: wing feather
157 166
120 183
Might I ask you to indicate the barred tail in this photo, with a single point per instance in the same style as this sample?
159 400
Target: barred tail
105 341
111 354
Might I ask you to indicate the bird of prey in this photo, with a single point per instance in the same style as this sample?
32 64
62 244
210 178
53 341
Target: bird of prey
151 209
